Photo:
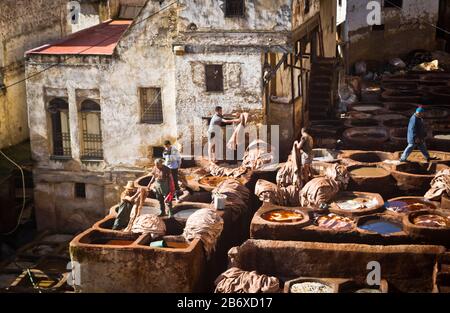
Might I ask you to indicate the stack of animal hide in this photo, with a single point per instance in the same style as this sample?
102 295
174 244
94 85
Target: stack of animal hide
440 185
206 225
235 280
149 223
238 197
323 189
284 196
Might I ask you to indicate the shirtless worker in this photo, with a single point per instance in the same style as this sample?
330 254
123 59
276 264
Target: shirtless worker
216 121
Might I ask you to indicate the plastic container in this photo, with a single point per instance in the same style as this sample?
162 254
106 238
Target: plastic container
219 201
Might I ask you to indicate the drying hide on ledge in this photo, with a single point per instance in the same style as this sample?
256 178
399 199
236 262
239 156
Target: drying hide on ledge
235 280
206 225
149 223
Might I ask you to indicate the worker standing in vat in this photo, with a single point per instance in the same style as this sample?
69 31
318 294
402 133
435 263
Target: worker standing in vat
216 122
164 186
306 145
416 136
127 200
172 160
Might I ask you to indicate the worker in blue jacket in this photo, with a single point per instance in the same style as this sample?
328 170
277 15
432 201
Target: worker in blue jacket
416 136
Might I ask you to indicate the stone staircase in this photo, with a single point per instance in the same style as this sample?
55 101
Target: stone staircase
322 86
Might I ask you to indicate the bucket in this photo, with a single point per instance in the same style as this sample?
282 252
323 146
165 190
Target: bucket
219 201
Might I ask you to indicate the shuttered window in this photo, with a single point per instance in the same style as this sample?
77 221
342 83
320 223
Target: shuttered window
59 115
92 147
234 8
214 77
151 106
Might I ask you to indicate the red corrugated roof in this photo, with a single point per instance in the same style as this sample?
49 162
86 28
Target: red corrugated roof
98 40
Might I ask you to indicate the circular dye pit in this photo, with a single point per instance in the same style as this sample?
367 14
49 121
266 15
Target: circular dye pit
389 117
335 222
381 226
417 156
407 205
370 157
310 287
400 106
184 214
369 171
431 220
367 108
419 169
400 96
396 123
359 115
355 202
366 136
367 122
400 86
283 216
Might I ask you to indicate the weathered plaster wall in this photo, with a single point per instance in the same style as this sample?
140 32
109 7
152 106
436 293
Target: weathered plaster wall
207 15
21 28
299 16
145 59
405 30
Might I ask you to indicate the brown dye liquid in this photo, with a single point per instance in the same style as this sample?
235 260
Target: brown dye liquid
282 216
212 181
432 220
408 205
114 242
369 172
176 245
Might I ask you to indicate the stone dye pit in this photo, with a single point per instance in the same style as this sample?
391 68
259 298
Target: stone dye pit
371 157
415 177
356 203
283 216
366 137
380 226
406 205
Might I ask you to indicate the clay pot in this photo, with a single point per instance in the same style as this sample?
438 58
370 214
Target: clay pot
370 179
366 137
368 122
428 233
375 207
415 176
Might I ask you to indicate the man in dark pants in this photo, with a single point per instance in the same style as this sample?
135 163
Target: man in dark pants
172 160
416 136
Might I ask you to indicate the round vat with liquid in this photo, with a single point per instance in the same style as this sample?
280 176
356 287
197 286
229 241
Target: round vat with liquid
370 157
415 176
440 141
399 96
370 178
400 107
405 205
335 222
389 116
366 137
352 203
428 224
209 182
283 216
380 225
399 86
371 108
367 122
